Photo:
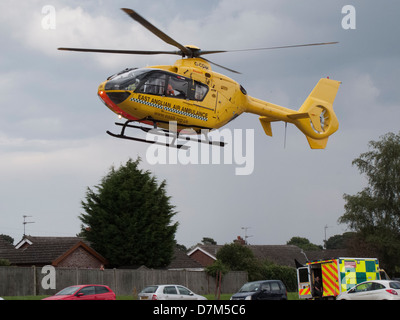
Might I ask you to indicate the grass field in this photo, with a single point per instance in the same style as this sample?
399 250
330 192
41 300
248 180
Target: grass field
225 296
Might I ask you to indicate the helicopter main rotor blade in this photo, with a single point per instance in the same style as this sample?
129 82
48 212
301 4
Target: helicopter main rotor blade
157 32
218 65
144 52
269 48
201 52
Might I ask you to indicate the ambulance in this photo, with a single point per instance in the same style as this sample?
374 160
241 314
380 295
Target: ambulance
336 275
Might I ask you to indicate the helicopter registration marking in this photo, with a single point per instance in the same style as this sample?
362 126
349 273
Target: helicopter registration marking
163 105
201 65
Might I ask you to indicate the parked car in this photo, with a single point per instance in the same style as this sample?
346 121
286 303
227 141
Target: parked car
84 292
262 290
168 292
373 290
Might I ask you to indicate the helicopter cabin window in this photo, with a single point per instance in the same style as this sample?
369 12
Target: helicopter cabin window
177 87
169 85
200 91
154 84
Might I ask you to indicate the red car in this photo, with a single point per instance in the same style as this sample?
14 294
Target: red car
84 292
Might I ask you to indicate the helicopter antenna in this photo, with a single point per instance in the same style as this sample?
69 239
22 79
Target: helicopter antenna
284 141
26 222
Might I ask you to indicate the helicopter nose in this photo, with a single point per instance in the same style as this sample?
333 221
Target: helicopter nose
115 96
108 102
118 97
111 100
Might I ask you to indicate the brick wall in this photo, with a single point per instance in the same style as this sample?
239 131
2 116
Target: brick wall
202 258
80 258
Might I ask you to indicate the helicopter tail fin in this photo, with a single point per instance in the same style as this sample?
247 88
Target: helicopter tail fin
316 118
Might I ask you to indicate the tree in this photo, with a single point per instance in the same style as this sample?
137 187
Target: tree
340 241
4 262
303 243
374 212
207 240
216 267
129 219
181 247
7 238
238 257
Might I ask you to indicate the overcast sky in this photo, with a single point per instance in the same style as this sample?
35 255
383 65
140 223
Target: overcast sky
53 141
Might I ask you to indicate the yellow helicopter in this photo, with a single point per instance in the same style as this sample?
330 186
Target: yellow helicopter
195 98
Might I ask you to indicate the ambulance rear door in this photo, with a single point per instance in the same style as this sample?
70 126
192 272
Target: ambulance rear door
304 283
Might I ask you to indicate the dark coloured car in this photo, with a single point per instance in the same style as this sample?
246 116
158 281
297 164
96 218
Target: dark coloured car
262 290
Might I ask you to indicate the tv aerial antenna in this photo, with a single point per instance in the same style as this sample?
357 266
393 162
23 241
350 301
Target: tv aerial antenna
245 234
26 222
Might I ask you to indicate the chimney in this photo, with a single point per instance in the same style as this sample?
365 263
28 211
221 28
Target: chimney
240 241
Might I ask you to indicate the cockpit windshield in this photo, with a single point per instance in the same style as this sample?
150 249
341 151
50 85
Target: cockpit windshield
128 79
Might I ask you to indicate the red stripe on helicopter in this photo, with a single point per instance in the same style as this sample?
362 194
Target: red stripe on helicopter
114 107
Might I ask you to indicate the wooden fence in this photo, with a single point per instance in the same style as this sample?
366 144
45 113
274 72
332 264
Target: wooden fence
24 281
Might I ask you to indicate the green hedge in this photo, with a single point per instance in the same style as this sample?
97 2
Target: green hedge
287 275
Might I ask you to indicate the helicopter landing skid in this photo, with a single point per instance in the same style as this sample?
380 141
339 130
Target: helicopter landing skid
161 132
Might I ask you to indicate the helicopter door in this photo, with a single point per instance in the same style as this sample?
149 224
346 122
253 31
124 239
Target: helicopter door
178 87
201 93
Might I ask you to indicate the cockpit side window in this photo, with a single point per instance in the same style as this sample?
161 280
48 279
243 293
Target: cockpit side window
154 84
200 91
178 87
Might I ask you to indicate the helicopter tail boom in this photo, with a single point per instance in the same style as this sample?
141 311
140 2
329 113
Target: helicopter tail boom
315 118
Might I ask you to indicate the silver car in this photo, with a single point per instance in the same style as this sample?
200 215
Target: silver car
373 290
168 292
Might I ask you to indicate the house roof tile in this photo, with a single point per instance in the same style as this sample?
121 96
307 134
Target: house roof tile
43 250
181 260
